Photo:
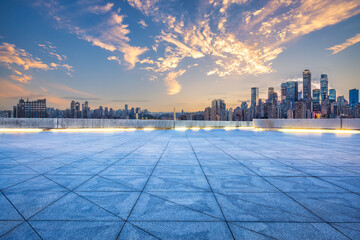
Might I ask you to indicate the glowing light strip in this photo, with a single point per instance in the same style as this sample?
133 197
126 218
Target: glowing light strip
93 130
207 128
338 131
180 128
195 128
148 129
20 130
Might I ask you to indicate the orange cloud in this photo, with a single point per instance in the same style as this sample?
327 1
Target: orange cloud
173 85
351 41
10 55
11 92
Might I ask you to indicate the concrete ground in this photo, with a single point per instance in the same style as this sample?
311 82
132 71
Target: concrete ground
168 184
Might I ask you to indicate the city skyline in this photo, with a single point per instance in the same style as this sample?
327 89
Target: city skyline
153 54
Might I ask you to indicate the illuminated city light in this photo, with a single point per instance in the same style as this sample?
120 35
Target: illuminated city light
148 129
195 128
207 128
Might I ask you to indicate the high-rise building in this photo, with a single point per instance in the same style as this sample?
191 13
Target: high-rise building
332 95
283 91
207 113
324 86
300 109
254 96
218 108
316 95
300 94
270 94
307 86
292 91
30 109
353 97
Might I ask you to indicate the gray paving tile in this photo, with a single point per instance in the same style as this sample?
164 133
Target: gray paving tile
187 230
7 211
228 184
349 183
6 226
77 230
119 203
263 207
23 231
133 233
285 231
247 170
178 183
74 207
351 230
203 202
152 208
29 203
343 207
303 184
38 183
8 180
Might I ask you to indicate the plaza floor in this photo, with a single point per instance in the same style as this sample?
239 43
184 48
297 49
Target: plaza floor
167 184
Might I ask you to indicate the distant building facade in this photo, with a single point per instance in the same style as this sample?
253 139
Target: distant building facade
30 109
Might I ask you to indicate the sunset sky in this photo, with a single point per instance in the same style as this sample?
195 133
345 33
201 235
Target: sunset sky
160 54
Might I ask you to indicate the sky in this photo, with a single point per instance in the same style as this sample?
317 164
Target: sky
161 54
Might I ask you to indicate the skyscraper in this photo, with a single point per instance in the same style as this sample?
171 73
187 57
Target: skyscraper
307 86
316 95
283 91
218 108
254 96
332 95
270 93
324 86
353 97
292 91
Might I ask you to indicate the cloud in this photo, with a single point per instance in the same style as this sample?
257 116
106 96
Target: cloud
101 9
20 77
51 50
131 54
129 100
81 98
142 23
114 58
10 55
349 42
62 87
99 43
248 48
147 7
11 90
107 30
173 85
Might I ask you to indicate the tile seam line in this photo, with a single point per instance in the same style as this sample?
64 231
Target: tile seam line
72 190
25 220
273 185
193 150
297 169
142 190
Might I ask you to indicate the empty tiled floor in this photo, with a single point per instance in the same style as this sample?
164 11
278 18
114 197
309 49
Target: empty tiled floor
168 184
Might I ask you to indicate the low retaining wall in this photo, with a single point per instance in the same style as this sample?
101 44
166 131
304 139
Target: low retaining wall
53 123
336 123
